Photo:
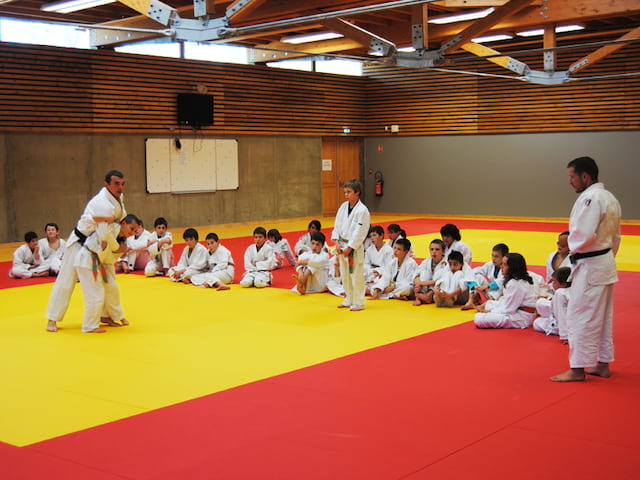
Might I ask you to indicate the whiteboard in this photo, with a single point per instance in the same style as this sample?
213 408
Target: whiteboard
199 165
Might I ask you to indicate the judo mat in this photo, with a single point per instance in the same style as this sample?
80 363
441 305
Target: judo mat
265 383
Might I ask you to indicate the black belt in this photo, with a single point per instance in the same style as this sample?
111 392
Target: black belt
81 236
577 256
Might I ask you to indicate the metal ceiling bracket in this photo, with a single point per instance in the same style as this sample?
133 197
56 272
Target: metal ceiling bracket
419 59
578 65
417 39
517 66
197 31
161 12
546 78
199 8
381 46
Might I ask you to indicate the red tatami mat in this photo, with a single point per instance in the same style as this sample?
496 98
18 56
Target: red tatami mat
455 403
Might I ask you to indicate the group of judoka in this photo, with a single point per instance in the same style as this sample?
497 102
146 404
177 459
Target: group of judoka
574 301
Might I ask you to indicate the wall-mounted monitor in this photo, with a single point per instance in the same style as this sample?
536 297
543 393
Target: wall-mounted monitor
195 109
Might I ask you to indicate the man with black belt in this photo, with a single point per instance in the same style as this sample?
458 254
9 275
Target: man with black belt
594 239
106 207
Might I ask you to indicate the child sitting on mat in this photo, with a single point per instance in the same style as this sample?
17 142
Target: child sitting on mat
451 289
553 313
516 307
281 248
429 272
259 260
220 268
312 267
193 259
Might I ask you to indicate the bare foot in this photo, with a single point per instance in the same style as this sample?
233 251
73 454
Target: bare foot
97 330
342 305
417 303
222 286
571 375
186 280
206 285
375 295
107 321
52 326
124 322
467 307
600 370
355 308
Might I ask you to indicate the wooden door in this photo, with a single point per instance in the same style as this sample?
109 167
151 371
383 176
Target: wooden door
340 162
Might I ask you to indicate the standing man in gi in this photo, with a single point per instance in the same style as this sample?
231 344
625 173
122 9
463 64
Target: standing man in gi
594 239
106 207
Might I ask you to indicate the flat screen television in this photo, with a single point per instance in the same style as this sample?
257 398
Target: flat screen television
195 109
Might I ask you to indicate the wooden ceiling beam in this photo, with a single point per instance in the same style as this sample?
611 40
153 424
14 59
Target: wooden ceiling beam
603 52
276 51
484 24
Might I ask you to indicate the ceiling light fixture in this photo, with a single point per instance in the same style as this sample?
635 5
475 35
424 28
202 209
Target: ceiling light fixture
407 49
69 6
312 37
540 31
462 16
491 38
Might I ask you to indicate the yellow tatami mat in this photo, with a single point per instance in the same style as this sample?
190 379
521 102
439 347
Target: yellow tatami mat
184 342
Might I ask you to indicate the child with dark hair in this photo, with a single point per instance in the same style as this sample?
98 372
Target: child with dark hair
281 248
193 259
485 282
378 258
160 249
220 266
259 260
451 289
52 248
312 268
516 307
429 272
27 261
395 233
304 242
403 271
453 241
553 313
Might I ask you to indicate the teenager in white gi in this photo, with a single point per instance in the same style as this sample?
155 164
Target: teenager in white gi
137 255
452 239
312 268
378 258
594 240
553 311
451 289
221 267
395 233
485 282
52 248
560 257
281 248
304 242
403 270
516 308
429 272
193 260
160 249
27 259
350 229
259 260
96 272
105 207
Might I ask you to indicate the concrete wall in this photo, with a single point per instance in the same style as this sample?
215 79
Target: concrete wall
49 177
507 175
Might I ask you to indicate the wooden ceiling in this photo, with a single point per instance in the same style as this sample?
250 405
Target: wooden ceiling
602 20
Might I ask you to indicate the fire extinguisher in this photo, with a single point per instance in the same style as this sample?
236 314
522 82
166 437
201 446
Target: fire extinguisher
379 183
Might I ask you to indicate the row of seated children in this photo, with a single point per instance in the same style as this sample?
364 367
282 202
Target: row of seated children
39 258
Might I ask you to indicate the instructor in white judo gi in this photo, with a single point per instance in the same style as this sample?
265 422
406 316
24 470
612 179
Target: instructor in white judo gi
105 207
594 239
